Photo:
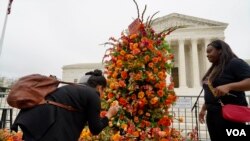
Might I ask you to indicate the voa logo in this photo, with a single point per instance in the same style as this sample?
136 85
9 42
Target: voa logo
236 132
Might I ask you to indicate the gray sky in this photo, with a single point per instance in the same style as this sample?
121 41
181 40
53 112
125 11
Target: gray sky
44 35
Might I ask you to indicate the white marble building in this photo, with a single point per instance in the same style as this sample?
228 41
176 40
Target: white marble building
189 45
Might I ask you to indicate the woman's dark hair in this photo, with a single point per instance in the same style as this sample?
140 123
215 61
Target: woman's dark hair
96 78
226 55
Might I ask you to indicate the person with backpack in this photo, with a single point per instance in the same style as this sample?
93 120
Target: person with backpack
47 122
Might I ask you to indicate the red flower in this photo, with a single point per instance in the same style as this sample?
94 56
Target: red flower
122 101
103 114
124 74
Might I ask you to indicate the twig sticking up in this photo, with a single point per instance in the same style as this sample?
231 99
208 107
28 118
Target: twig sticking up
138 12
143 13
150 21
147 21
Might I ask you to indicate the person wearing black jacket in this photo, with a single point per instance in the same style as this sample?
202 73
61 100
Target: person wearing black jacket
225 81
47 122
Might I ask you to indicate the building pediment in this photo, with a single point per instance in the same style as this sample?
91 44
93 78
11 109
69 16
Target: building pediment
176 19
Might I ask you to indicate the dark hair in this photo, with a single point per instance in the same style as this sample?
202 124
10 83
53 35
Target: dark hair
96 78
226 55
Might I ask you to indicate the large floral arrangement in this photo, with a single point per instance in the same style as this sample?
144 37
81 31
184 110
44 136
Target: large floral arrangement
138 67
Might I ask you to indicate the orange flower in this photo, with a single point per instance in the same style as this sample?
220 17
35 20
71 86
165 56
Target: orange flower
164 121
150 76
129 56
116 137
162 134
151 47
135 45
159 53
168 102
133 36
114 85
160 93
154 100
110 95
124 126
141 94
135 51
122 84
138 76
151 65
162 75
149 93
172 97
146 58
156 70
124 74
122 52
114 75
131 45
119 63
136 133
155 59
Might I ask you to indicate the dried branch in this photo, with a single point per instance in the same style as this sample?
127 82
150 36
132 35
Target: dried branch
108 43
137 7
150 21
143 13
147 21
171 29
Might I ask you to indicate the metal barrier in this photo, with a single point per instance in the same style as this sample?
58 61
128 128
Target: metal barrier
8 114
182 108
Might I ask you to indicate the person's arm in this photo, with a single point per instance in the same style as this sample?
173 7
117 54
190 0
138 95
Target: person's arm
95 122
243 85
202 113
241 72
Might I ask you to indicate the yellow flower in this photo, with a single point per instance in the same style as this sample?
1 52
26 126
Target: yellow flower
141 94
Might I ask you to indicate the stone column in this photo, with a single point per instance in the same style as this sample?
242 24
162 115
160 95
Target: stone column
169 76
207 63
195 63
182 64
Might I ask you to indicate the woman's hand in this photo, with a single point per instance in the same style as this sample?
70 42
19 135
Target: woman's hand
114 108
222 90
202 116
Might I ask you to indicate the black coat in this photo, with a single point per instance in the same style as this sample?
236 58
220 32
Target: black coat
51 123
